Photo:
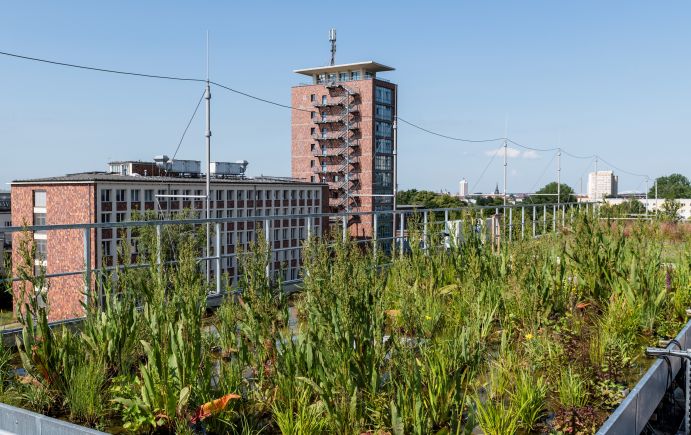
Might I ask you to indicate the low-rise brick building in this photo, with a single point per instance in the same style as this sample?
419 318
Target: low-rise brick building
108 197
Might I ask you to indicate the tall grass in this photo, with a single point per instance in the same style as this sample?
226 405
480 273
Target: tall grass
450 335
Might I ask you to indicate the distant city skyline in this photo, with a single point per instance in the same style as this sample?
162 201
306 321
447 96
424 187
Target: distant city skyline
608 79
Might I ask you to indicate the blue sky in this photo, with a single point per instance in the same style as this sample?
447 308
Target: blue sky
611 78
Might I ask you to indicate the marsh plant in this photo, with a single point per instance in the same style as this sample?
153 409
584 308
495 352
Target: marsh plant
448 334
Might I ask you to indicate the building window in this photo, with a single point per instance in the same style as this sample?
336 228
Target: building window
40 198
219 195
313 97
383 112
355 75
134 195
41 249
313 115
323 99
241 195
120 217
343 76
120 195
311 163
382 128
383 95
105 248
313 131
311 178
105 195
384 146
382 163
105 217
39 218
149 195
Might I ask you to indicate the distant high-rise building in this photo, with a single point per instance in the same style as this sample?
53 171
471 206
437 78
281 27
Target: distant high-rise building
463 188
343 135
602 184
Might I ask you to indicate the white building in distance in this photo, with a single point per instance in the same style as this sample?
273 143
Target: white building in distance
463 188
602 184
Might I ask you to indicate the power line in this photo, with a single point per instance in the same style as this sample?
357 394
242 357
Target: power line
483 172
532 189
188 124
264 100
633 174
449 137
152 76
531 148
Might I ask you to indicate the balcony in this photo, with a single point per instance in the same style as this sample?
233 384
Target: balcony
328 152
329 120
337 135
331 103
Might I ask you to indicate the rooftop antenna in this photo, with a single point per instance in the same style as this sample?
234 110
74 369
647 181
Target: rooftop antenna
332 39
207 135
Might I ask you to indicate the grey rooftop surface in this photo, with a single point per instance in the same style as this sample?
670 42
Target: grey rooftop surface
105 177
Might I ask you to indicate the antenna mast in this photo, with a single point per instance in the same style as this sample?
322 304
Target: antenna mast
208 164
332 39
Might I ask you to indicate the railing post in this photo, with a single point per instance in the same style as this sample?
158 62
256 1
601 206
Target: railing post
563 215
218 257
424 229
554 218
522 222
402 220
87 265
158 245
345 225
269 247
534 222
375 235
544 219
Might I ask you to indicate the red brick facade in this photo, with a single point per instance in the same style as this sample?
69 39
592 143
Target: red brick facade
65 204
306 164
114 198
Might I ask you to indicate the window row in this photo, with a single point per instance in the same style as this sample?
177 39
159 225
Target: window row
121 195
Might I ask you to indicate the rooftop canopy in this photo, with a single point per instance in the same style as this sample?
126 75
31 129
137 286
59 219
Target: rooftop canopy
370 66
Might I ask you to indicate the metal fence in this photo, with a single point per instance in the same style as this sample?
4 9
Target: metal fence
515 222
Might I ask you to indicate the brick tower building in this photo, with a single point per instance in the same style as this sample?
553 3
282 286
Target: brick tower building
343 135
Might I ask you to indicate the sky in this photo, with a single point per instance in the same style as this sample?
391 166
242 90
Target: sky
592 77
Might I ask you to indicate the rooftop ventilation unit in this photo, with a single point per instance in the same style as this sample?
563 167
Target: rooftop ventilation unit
181 167
229 169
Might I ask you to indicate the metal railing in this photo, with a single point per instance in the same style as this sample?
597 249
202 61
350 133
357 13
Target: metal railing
518 221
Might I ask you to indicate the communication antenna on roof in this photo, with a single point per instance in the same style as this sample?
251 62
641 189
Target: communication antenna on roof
332 39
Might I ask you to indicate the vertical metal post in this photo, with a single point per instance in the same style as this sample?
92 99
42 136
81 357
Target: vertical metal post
424 229
158 245
563 215
375 235
217 228
534 222
308 221
554 218
208 163
345 226
687 404
87 264
395 157
510 224
544 219
269 245
402 220
522 223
